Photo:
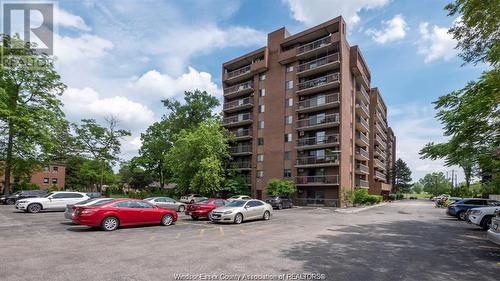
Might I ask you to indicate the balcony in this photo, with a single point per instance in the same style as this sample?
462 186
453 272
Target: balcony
319 84
237 120
241 73
362 109
317 122
362 95
318 161
318 45
378 152
319 102
237 105
363 81
317 180
240 150
379 164
362 183
361 139
242 134
362 154
318 65
380 175
318 142
381 131
238 90
380 142
362 124
381 118
242 165
361 169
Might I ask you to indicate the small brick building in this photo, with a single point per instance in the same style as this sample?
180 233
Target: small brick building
53 174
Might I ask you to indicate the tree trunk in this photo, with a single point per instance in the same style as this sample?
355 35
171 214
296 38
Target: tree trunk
162 180
102 178
8 160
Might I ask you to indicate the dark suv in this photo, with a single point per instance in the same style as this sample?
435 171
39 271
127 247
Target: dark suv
279 202
459 208
22 194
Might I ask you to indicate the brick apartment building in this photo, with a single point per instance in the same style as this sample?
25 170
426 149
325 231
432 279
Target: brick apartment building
302 108
49 176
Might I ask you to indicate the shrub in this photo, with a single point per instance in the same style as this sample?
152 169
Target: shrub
373 199
395 196
280 187
360 195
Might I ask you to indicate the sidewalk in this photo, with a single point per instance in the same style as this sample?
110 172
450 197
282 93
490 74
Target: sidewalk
354 210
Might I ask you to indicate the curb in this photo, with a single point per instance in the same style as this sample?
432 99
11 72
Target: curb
348 211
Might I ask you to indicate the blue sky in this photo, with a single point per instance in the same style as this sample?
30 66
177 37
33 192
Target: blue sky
123 57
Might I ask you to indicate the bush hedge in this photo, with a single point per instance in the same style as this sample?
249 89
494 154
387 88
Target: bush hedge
395 196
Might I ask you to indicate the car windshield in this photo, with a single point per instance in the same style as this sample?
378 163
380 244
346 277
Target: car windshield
48 194
204 201
149 198
271 197
100 202
234 197
237 203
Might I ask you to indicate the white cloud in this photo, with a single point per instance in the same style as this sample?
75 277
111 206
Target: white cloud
394 29
66 19
157 85
87 103
436 43
83 48
314 12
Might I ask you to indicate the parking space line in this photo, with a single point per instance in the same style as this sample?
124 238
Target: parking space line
178 235
202 231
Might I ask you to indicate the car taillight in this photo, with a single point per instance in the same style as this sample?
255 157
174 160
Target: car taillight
87 211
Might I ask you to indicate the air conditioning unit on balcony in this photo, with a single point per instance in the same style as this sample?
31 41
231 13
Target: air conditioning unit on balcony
301 133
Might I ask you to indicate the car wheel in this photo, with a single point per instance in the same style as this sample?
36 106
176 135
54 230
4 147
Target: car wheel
461 216
486 222
280 206
167 219
182 208
194 218
10 201
267 215
110 224
238 218
191 202
34 208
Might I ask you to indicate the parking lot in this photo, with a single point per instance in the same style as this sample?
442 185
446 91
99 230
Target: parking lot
408 240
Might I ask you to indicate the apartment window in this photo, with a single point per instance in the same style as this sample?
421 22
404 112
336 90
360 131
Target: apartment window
46 168
262 92
289 84
260 141
262 77
54 180
288 155
45 180
288 137
260 157
287 173
262 108
55 169
289 102
288 119
289 68
261 124
260 174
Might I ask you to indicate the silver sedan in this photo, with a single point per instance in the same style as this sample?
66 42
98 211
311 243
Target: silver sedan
242 210
167 202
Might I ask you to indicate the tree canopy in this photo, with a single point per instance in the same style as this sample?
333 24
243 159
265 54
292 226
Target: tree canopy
401 174
280 187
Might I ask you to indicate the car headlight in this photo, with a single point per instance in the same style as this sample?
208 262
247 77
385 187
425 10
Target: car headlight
22 201
475 212
228 212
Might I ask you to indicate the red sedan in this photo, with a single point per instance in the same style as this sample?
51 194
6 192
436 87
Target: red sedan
202 208
122 212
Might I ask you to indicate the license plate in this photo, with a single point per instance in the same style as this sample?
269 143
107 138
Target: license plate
215 215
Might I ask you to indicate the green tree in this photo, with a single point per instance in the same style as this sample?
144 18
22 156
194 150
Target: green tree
417 188
401 174
199 157
436 184
100 144
280 187
29 104
134 176
160 136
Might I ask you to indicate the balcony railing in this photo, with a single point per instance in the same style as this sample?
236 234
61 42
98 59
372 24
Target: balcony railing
314 45
379 175
379 152
379 163
327 139
240 149
242 165
363 106
363 122
319 160
364 94
238 88
238 103
319 81
380 142
361 167
322 179
238 72
237 118
382 132
318 120
318 101
362 152
318 62
361 183
362 137
242 133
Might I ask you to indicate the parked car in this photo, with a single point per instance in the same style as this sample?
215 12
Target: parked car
94 194
70 208
482 216
279 202
192 198
22 194
167 202
123 212
494 231
238 211
459 208
238 197
413 198
51 201
203 208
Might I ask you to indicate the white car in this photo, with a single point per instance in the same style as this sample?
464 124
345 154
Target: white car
192 198
52 201
239 197
482 216
494 231
242 210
